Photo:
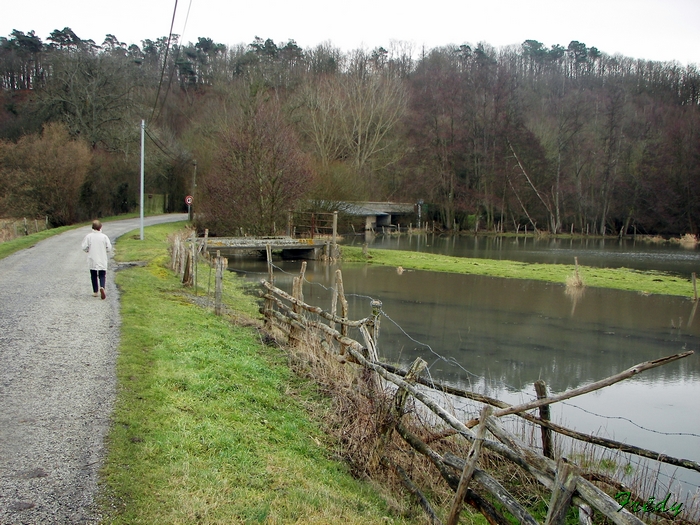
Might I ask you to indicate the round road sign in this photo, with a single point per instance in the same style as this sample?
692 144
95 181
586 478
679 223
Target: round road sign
188 200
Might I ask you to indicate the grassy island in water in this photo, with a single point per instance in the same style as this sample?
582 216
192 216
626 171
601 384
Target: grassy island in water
643 282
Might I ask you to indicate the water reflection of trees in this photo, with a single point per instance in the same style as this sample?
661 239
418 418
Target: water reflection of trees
506 334
513 333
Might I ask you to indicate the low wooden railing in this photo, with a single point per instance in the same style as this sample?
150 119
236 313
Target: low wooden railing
568 484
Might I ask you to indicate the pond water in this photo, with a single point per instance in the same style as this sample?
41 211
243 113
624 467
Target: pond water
498 336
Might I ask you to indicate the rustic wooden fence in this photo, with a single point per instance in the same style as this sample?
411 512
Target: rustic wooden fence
566 482
312 224
186 250
13 228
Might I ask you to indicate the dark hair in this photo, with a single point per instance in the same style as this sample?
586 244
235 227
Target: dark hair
96 225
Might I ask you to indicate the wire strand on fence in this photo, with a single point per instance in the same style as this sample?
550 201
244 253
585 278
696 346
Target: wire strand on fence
640 463
453 362
691 434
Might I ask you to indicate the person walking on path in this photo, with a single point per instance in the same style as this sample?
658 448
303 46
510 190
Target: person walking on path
57 380
98 246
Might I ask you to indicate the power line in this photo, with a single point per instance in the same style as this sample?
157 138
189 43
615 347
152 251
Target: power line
162 147
177 56
165 61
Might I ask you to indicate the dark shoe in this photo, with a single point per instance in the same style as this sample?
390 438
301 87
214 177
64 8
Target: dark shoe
103 294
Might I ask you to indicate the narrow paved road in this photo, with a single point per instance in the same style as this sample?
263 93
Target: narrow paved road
57 380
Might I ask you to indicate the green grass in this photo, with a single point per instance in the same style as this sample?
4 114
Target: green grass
27 241
645 282
210 424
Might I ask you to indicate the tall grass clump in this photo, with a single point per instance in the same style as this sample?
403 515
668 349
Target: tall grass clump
575 280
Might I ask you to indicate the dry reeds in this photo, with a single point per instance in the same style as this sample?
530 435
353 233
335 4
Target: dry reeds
351 419
654 239
689 240
575 280
616 471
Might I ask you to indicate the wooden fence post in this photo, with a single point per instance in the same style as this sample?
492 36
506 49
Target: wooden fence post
190 263
298 294
268 255
396 410
219 283
270 277
343 306
541 390
376 312
193 251
183 256
186 275
334 251
564 487
585 514
334 306
469 467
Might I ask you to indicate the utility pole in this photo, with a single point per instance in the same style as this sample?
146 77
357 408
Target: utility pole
194 187
143 129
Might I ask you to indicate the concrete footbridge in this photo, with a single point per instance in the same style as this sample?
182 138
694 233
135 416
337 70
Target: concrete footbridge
290 247
310 235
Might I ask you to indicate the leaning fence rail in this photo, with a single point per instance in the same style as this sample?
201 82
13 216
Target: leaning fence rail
295 318
568 484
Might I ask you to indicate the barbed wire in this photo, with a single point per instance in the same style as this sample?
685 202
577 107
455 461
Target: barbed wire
327 288
643 463
639 463
452 361
691 434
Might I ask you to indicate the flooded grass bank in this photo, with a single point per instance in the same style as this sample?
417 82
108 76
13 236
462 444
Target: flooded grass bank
643 282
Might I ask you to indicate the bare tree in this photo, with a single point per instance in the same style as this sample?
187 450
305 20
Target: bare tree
93 95
41 175
320 120
371 106
259 175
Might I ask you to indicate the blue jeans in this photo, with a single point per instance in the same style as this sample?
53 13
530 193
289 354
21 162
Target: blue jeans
94 275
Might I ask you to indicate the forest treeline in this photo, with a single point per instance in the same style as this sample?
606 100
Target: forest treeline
551 138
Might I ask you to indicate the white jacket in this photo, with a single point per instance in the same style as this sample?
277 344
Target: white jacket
97 245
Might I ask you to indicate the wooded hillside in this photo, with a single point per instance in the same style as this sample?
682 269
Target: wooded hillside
552 138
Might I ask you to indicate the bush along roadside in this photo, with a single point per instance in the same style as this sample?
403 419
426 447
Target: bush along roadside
210 425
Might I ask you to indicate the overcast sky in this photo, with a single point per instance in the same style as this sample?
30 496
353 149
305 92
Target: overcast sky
661 30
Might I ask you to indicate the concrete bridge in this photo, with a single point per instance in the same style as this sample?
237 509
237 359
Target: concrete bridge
380 214
291 248
376 215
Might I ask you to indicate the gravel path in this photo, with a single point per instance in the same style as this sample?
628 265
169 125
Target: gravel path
57 380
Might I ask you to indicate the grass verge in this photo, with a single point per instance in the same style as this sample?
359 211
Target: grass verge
644 282
27 241
210 425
